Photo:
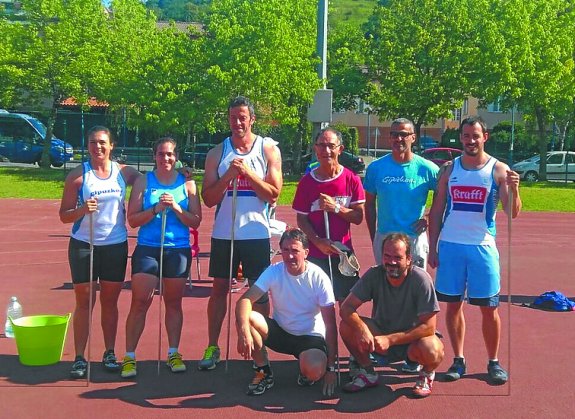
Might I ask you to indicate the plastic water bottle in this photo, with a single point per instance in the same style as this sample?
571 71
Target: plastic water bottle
13 310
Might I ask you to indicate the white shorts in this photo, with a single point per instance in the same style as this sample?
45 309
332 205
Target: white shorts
419 249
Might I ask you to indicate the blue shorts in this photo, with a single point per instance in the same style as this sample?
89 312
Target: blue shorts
146 259
462 267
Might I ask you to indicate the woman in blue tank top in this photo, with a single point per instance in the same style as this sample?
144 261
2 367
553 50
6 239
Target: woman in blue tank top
164 189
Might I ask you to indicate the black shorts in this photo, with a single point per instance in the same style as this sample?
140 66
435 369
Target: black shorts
285 343
341 284
146 259
109 261
254 256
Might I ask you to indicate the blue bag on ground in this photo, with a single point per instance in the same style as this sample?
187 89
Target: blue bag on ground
553 301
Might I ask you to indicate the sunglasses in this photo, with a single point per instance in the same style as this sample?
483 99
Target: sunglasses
402 134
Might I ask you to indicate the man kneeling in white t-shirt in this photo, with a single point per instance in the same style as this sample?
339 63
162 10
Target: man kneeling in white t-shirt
303 323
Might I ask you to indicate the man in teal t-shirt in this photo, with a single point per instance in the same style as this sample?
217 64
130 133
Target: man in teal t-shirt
397 186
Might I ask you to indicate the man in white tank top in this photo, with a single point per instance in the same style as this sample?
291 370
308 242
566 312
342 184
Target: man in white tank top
256 163
462 242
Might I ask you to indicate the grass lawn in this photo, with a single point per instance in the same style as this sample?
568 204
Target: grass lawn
34 182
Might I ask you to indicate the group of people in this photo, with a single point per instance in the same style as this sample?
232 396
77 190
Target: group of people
243 178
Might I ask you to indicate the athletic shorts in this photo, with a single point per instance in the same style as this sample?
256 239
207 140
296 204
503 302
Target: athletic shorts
109 261
471 268
285 343
146 259
254 256
341 284
419 249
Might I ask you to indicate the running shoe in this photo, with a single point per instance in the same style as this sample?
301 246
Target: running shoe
497 375
354 367
175 362
79 367
424 384
260 383
128 367
211 358
303 381
410 367
361 381
110 362
456 371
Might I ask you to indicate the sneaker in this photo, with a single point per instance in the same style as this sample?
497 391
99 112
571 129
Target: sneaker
128 367
79 367
497 375
260 383
211 358
411 367
424 384
456 371
361 381
303 381
110 362
175 362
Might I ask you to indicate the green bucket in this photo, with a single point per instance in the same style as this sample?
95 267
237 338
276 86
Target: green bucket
40 339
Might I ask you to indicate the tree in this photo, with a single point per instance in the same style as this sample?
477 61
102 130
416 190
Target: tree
57 51
265 50
538 47
423 56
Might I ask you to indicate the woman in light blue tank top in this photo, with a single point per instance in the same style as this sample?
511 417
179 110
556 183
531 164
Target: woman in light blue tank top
164 189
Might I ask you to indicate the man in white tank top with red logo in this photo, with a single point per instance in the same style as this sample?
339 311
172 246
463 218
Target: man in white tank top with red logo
256 163
462 242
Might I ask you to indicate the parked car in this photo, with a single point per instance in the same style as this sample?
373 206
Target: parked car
196 157
560 164
351 161
440 155
22 140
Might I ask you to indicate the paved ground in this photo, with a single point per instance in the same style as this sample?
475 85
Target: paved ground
538 346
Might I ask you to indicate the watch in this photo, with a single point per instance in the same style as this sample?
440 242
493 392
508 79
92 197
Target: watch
330 369
337 208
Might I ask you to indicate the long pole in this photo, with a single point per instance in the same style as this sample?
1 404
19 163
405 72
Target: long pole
509 218
232 237
91 293
327 236
160 287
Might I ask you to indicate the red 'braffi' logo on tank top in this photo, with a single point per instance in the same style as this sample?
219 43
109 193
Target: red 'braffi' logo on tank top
468 198
244 187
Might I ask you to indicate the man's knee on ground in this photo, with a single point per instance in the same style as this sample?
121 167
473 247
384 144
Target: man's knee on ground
313 363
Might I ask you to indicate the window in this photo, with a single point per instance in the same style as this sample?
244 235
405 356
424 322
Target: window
495 106
555 159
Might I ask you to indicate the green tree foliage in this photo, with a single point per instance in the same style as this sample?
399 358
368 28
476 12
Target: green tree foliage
539 51
57 51
423 57
265 50
347 74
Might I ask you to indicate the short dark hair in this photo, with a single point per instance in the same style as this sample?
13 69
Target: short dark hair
398 237
402 121
101 128
163 140
295 234
472 120
330 129
241 101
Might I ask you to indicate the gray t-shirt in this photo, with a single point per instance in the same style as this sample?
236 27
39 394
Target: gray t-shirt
397 309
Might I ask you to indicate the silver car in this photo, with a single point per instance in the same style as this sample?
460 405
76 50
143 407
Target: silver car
560 166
